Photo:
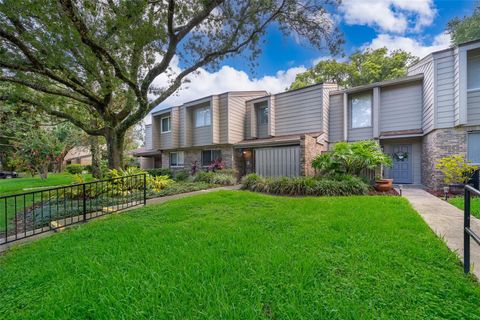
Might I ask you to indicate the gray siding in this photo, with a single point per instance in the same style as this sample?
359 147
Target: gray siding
473 107
299 111
223 105
426 68
277 162
416 157
236 118
148 136
166 140
182 126
401 107
336 118
248 126
445 82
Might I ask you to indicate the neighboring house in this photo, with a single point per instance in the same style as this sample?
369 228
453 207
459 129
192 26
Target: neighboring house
78 155
431 113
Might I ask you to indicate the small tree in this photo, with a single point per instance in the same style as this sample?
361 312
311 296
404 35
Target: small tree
351 158
39 149
455 169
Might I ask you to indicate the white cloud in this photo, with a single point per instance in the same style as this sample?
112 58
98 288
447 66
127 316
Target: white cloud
398 16
205 83
416 47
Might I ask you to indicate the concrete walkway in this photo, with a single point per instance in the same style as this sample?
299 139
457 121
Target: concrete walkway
446 221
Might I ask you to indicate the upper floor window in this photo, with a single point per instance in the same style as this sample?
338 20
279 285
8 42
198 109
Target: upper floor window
202 117
473 148
473 69
177 159
262 116
361 110
165 124
208 156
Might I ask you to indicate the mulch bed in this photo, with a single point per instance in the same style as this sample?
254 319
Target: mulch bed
392 192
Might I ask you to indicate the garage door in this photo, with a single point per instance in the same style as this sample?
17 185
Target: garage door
277 162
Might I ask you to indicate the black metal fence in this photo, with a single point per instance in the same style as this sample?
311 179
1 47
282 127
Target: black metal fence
467 231
27 214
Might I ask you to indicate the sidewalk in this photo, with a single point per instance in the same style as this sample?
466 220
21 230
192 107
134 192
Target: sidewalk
446 221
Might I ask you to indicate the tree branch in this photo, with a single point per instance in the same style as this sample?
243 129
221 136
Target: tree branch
60 114
175 38
98 50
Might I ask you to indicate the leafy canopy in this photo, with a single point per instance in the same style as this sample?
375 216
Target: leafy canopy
94 62
465 29
351 158
361 68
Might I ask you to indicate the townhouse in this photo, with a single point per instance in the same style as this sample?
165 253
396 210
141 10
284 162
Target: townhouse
431 113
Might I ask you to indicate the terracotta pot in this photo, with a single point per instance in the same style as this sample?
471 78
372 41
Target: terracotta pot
383 185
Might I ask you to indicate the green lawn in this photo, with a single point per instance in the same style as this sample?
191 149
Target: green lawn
240 255
19 185
22 185
474 204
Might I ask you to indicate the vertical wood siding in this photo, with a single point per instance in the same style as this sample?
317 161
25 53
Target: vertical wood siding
148 136
278 161
335 112
401 107
444 89
299 111
426 68
223 105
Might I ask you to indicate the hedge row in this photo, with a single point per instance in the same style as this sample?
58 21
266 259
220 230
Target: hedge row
344 185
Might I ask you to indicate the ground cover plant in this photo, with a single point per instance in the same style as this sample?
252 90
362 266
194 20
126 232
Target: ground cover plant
242 255
458 202
332 185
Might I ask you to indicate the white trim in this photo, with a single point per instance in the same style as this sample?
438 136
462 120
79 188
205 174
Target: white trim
169 124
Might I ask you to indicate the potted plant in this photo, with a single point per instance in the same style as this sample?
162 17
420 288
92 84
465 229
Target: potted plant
383 185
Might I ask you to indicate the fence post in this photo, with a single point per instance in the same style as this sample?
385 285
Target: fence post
144 189
84 202
466 236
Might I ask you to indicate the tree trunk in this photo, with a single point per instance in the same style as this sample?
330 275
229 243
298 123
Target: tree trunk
95 151
115 142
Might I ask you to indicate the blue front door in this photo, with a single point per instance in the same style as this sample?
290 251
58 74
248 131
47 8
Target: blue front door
402 163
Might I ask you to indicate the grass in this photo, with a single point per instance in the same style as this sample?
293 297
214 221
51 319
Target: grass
474 204
237 254
22 185
19 185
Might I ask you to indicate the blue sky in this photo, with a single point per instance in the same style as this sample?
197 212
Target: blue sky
417 26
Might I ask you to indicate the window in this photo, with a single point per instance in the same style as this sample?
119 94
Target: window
165 124
263 114
361 107
176 159
473 69
202 117
473 148
208 156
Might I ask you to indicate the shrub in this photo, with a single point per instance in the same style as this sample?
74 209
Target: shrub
456 169
223 179
218 177
75 168
306 186
158 183
160 172
351 158
181 175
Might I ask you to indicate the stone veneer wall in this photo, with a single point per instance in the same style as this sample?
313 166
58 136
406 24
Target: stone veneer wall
309 148
436 145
